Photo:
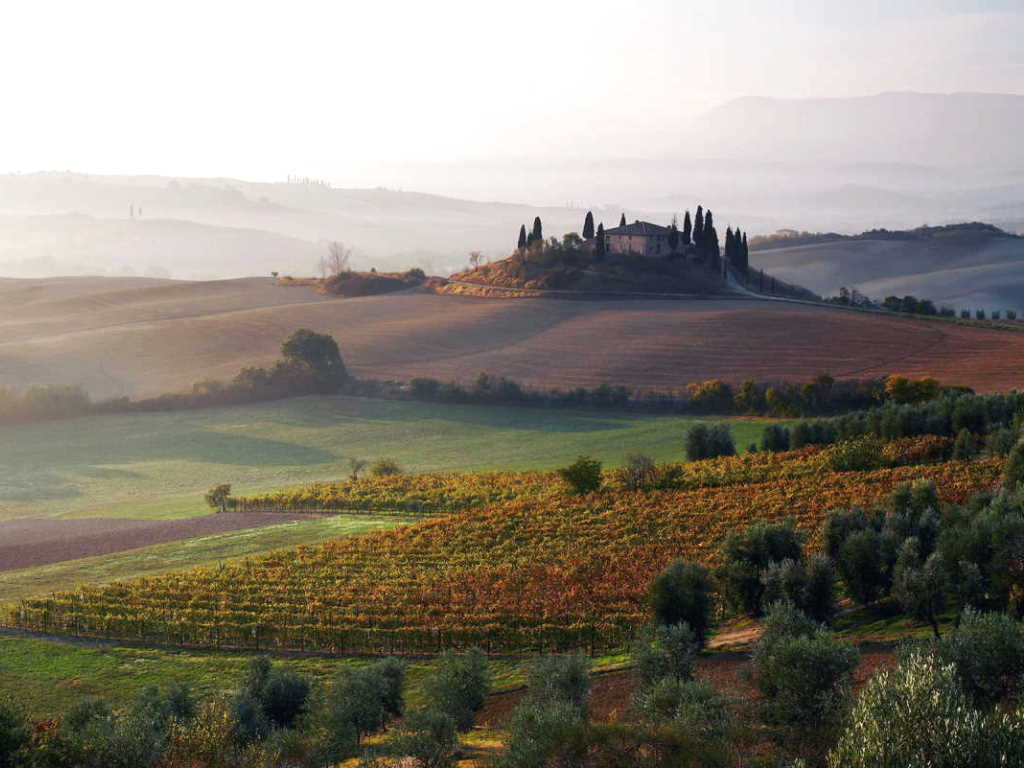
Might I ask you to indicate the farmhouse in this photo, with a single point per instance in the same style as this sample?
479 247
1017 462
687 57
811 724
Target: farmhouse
640 237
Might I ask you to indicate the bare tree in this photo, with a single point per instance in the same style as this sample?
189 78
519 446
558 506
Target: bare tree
338 257
356 466
475 259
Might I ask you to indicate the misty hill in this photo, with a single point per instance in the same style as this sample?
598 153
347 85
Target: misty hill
966 266
60 223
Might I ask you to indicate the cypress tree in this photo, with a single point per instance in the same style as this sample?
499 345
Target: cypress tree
538 230
622 221
687 228
746 254
711 245
588 226
698 228
730 251
673 234
522 237
599 246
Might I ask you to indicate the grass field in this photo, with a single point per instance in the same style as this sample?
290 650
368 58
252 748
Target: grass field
159 464
47 676
202 550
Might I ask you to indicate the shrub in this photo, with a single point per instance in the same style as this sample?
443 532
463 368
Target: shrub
1000 442
804 679
965 446
15 733
639 473
918 715
429 737
746 554
801 434
682 593
693 705
775 438
862 564
809 586
665 652
543 734
1013 471
583 475
280 696
920 587
217 497
560 678
856 455
459 686
987 651
709 442
385 466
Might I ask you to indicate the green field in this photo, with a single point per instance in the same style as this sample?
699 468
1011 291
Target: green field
47 676
176 555
159 464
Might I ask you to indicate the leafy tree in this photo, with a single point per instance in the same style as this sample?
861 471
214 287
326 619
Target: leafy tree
385 466
270 697
319 352
692 705
429 737
918 715
810 586
583 475
1013 470
542 734
987 652
965 447
775 437
15 733
560 678
682 594
804 677
920 587
588 226
665 651
748 553
707 442
459 686
862 564
217 497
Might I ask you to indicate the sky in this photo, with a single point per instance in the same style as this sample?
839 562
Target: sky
345 90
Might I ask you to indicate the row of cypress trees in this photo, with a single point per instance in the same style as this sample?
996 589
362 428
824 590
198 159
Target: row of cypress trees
699 232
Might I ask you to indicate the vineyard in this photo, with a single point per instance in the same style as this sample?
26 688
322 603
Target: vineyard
448 492
528 568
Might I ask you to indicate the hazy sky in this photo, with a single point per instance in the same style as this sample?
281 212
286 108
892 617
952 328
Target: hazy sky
338 89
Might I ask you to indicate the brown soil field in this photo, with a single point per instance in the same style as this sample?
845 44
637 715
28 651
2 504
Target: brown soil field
27 542
612 693
146 337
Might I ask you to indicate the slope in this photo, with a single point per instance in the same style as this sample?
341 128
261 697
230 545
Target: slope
168 335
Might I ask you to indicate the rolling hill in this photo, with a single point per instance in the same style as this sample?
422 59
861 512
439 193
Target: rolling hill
139 336
972 268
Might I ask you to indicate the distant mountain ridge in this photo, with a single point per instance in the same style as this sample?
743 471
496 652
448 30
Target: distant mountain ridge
935 130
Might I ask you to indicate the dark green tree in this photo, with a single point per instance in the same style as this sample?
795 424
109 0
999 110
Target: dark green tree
687 228
599 244
622 221
522 237
588 226
318 351
538 230
673 234
698 227
682 594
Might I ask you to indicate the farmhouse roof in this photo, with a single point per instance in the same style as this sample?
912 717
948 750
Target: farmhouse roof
638 228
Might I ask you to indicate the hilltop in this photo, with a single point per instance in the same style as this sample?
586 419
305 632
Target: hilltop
964 266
